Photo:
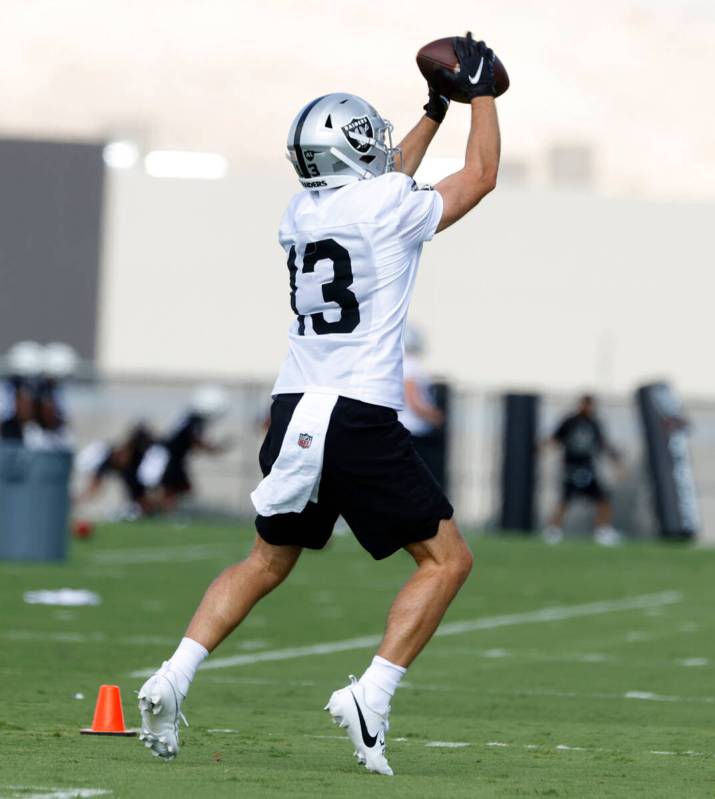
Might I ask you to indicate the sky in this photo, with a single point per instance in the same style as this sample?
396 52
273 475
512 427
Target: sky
628 79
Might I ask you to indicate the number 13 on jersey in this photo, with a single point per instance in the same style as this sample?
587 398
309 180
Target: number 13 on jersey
337 290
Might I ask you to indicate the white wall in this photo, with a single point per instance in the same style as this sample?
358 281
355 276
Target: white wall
548 289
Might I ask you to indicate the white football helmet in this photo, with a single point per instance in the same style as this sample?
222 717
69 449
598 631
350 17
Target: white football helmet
339 139
60 361
24 359
210 400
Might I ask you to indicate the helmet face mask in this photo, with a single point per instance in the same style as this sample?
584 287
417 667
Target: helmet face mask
339 139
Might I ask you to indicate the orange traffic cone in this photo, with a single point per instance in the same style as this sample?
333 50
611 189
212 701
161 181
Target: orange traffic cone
108 714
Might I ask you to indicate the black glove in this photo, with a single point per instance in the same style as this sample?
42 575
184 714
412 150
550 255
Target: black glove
436 106
476 68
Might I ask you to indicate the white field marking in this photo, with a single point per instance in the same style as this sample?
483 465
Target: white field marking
495 653
642 695
569 657
689 627
592 657
559 613
30 792
220 729
345 738
693 662
447 744
502 744
637 635
649 696
248 646
140 555
566 748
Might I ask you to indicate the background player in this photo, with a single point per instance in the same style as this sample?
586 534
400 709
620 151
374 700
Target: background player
421 416
164 469
101 459
335 445
581 438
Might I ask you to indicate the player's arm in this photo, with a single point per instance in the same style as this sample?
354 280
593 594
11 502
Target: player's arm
462 190
413 147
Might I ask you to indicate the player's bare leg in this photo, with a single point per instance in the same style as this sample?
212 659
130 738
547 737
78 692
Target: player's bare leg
553 534
236 590
443 564
226 603
605 534
363 707
604 513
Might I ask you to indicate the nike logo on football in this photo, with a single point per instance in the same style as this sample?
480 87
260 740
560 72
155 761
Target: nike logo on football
368 740
478 74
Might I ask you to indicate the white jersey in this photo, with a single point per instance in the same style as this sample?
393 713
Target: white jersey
352 256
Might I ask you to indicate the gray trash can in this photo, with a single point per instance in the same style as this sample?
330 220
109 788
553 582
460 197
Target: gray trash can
34 503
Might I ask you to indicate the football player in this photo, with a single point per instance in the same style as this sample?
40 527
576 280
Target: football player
420 415
582 439
164 469
353 238
101 459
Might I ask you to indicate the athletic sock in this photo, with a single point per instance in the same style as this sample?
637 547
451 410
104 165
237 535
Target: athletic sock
380 682
184 662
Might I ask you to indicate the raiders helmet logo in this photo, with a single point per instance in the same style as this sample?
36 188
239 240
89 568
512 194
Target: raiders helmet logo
361 127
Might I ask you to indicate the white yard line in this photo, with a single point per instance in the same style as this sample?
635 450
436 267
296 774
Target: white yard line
32 792
504 745
540 616
447 744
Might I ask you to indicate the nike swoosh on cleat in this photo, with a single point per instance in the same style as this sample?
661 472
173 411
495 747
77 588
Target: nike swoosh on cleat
368 740
475 78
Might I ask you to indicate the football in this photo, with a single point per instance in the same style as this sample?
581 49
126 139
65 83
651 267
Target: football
440 53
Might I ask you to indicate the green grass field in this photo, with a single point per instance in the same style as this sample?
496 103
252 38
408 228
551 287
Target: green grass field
609 695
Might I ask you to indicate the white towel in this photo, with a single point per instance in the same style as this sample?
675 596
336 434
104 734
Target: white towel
295 477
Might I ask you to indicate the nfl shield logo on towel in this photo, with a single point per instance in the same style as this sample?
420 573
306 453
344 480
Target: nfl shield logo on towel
304 440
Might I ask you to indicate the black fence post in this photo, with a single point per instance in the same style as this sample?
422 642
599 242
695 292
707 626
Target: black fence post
518 475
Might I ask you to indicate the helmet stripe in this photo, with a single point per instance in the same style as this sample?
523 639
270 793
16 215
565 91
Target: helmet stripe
296 139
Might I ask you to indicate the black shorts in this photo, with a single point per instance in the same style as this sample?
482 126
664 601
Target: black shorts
582 482
371 476
176 478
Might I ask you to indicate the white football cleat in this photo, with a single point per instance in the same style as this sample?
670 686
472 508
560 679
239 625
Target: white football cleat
364 726
607 536
160 705
553 535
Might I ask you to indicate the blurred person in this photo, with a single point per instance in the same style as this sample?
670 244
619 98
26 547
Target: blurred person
581 437
353 239
101 459
18 391
59 362
421 416
164 468
19 413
